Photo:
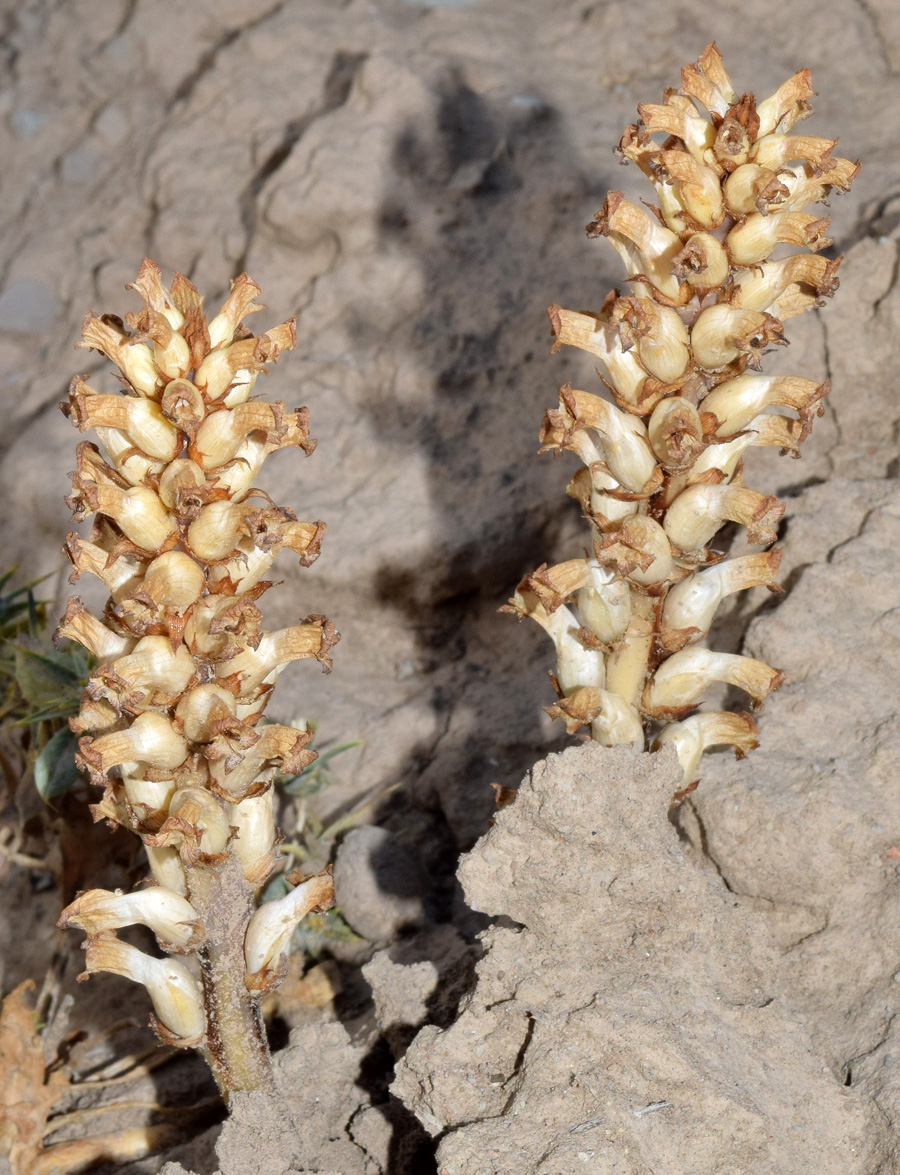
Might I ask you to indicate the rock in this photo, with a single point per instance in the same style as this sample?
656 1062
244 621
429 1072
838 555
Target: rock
808 828
378 884
630 1021
419 980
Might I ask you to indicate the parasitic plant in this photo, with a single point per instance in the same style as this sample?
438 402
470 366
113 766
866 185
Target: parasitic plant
171 723
662 458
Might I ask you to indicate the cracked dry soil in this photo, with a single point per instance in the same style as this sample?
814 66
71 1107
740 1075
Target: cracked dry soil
714 993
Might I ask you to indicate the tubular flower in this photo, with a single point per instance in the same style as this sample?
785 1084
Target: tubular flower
172 719
713 273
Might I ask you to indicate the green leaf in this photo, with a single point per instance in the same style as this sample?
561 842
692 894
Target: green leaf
317 776
319 931
50 680
276 888
13 608
54 769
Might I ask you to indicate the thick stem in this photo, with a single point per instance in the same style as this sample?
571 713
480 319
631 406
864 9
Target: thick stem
236 1046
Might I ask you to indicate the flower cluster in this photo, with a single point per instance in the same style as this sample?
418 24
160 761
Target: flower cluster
662 458
171 721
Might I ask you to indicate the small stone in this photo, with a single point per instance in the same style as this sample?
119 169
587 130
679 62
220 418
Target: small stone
378 884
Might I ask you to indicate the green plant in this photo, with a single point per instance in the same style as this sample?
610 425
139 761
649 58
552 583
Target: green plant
43 689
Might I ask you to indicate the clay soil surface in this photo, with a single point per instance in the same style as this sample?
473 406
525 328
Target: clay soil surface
411 180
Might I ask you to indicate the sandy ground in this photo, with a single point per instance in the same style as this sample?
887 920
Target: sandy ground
412 182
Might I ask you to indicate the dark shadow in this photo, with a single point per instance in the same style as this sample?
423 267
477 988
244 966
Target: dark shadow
490 199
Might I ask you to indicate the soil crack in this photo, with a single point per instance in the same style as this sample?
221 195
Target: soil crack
335 92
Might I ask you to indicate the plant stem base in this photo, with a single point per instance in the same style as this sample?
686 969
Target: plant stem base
236 1046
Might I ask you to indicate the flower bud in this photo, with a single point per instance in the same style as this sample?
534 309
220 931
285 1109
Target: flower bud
152 674
755 236
167 869
174 580
698 512
604 603
81 626
174 991
647 247
196 827
579 654
201 709
171 917
220 370
180 478
624 441
313 638
737 402
253 825
708 81
752 188
658 332
690 606
736 133
269 934
774 151
679 117
150 739
788 104
703 263
596 335
612 720
639 549
681 679
723 333
697 187
715 728
239 303
150 286
787 287
120 577
676 432
147 428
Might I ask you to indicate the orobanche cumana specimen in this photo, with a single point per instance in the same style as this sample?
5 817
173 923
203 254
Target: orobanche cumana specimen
662 457
171 721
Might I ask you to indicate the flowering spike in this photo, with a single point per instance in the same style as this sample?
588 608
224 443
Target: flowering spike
172 719
662 455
